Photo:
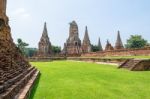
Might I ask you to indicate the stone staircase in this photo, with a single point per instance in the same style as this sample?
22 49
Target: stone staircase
15 73
10 88
130 63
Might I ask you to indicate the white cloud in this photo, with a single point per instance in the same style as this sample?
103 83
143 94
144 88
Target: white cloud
26 15
20 13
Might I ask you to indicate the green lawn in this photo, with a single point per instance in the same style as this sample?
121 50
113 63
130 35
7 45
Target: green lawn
80 80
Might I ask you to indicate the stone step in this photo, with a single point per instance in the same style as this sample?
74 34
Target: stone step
26 91
130 63
18 83
136 64
16 78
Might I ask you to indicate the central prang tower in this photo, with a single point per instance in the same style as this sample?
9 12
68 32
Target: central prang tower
73 44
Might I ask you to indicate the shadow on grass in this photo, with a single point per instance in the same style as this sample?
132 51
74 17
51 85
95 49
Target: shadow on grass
35 87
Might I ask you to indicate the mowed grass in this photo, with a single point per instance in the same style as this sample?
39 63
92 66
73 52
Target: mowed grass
81 80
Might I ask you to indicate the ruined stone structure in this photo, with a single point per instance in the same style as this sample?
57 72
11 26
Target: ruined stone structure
108 47
86 44
136 64
45 49
118 44
73 44
15 71
100 45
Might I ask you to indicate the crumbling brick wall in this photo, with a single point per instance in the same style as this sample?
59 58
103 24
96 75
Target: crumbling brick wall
125 52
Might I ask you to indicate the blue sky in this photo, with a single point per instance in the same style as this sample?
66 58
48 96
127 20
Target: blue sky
103 18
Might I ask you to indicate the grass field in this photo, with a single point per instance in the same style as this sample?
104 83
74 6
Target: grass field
80 80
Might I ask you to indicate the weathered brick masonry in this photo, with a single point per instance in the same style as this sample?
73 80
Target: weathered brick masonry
124 52
15 70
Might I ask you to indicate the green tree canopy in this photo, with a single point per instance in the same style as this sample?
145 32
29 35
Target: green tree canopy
22 45
56 49
95 48
29 52
136 41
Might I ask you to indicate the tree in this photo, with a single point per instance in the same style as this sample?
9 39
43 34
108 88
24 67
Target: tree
29 52
136 41
148 45
95 48
56 49
22 46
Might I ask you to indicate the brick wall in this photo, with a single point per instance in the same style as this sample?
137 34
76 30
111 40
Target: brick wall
125 52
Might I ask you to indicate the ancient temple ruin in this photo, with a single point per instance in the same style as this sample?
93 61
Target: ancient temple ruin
119 44
15 70
45 48
73 43
108 47
86 44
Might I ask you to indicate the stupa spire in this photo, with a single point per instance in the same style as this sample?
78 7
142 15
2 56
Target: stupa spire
86 45
100 45
45 32
119 44
86 36
45 48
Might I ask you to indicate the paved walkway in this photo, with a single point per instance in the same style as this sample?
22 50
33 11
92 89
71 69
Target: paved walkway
107 63
116 64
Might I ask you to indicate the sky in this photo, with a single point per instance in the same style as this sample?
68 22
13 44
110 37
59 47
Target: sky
102 17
